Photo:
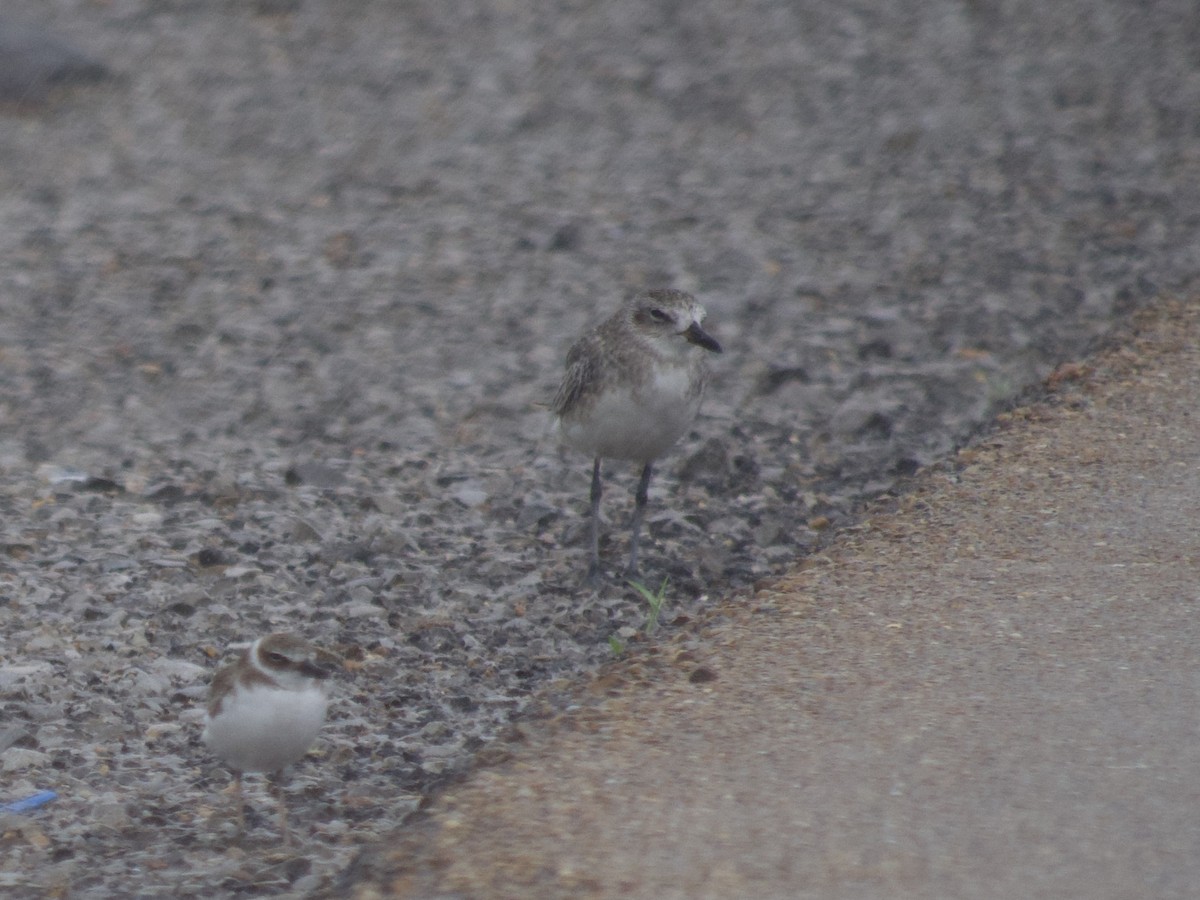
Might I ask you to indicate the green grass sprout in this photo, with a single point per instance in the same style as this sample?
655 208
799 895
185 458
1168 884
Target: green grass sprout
654 600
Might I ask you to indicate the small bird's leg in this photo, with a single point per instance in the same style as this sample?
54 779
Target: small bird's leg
277 793
597 490
639 510
241 803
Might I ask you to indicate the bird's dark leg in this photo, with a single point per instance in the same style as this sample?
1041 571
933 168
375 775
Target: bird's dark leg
277 792
241 803
597 490
639 510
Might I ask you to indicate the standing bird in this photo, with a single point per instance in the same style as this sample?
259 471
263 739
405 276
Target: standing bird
266 708
632 388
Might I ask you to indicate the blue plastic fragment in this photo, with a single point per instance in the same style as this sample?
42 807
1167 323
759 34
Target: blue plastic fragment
41 798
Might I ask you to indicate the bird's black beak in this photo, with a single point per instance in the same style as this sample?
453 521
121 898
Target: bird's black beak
323 666
315 670
701 338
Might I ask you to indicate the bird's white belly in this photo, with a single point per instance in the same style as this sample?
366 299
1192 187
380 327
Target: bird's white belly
638 426
264 729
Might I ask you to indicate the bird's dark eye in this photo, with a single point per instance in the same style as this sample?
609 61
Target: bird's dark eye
659 316
278 658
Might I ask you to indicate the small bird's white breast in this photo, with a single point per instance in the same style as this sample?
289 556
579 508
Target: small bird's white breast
637 423
262 728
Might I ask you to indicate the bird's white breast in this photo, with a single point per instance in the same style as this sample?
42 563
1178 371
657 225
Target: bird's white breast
263 729
637 424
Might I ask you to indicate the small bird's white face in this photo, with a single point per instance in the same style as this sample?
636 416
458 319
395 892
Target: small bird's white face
294 663
664 316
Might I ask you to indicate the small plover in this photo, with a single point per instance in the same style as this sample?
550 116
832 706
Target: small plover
266 708
632 388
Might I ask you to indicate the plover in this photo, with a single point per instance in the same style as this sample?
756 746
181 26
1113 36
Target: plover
266 708
632 388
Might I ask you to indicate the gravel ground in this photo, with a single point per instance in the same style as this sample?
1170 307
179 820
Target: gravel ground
286 288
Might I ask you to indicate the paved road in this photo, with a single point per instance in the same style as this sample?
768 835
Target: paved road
986 692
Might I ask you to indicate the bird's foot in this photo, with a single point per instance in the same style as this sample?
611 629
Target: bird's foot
594 577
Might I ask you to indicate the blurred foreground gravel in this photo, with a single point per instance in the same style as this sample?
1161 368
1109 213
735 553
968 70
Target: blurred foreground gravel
285 289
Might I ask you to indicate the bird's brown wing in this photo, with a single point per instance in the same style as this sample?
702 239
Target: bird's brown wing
221 684
584 363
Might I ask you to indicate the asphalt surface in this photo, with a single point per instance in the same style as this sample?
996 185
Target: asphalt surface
986 691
